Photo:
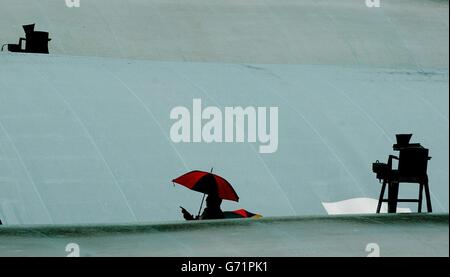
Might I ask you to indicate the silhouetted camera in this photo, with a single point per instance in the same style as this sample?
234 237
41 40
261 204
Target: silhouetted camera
381 170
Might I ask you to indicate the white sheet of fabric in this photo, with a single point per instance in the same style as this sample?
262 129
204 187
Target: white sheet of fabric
361 205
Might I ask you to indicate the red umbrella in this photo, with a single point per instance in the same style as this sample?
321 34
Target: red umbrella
208 183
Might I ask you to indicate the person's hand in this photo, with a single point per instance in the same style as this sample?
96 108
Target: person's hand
186 214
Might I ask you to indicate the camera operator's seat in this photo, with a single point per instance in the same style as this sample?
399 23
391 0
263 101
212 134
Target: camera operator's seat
412 168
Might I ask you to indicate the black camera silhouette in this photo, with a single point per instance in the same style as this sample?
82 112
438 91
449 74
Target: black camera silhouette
381 170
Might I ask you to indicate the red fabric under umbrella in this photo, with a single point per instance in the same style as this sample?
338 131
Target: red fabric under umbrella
207 183
241 214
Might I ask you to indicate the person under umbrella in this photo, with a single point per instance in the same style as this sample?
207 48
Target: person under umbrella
211 211
216 187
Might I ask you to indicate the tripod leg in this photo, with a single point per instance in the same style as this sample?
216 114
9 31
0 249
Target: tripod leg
427 194
380 200
419 209
392 197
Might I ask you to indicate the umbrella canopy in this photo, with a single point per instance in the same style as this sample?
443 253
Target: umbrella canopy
207 183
